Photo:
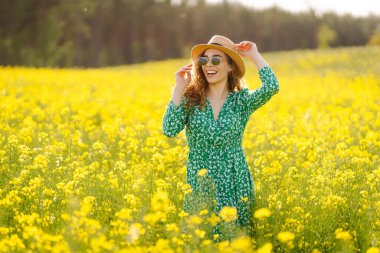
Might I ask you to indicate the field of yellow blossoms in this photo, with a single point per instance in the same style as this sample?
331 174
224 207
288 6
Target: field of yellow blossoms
85 167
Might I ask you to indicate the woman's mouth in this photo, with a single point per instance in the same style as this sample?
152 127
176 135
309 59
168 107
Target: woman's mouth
211 73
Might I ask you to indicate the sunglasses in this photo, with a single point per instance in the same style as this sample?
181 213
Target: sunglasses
214 60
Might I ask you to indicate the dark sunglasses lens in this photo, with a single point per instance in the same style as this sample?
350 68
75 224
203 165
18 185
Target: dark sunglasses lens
202 60
215 60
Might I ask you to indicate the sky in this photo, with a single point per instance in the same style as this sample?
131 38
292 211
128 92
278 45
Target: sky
353 7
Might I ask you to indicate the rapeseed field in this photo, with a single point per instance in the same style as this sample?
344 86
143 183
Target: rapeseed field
85 167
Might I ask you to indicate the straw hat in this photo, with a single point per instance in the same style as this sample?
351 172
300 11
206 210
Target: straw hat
223 44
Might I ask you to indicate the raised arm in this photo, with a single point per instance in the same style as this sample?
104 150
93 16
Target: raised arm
249 50
254 99
175 116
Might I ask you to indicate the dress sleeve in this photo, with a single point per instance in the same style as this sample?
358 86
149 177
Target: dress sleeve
174 119
254 99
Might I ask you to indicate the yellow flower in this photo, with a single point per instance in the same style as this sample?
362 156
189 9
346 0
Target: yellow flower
65 216
202 172
266 248
213 219
223 246
86 206
241 243
15 242
195 219
162 245
177 241
344 235
99 243
160 201
203 212
243 199
285 236
187 188
228 213
4 230
172 227
153 218
12 140
31 232
200 233
186 236
183 214
120 166
206 242
262 213
373 250
41 162
98 147
124 214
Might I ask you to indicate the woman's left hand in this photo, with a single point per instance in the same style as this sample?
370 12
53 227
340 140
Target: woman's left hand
246 48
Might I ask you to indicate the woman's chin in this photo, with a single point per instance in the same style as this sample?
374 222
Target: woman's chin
212 80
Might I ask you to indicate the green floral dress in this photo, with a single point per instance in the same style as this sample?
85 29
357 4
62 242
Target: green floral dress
217 147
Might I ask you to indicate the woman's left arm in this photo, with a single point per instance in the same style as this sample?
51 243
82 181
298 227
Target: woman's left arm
254 99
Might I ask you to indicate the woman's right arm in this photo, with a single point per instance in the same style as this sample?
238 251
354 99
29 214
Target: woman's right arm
174 119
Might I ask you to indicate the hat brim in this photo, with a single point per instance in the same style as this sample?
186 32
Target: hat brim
198 49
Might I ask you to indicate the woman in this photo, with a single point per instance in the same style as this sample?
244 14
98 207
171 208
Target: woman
215 107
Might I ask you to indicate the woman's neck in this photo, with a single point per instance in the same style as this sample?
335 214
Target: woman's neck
217 91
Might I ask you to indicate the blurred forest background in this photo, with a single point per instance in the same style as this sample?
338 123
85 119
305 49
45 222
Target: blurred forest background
93 33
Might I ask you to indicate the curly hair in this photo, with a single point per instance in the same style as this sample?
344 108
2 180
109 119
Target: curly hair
195 92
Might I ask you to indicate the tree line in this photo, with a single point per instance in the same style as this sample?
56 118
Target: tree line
93 33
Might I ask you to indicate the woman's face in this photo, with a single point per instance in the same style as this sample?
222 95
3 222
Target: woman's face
216 73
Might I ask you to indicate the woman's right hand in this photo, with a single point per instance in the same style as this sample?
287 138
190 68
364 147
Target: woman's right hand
183 76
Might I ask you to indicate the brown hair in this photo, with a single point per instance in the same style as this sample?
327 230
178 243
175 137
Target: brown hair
195 92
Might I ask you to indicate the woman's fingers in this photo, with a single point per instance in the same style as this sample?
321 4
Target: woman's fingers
186 68
183 76
244 46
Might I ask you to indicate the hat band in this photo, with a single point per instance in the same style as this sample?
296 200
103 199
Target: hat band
213 43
